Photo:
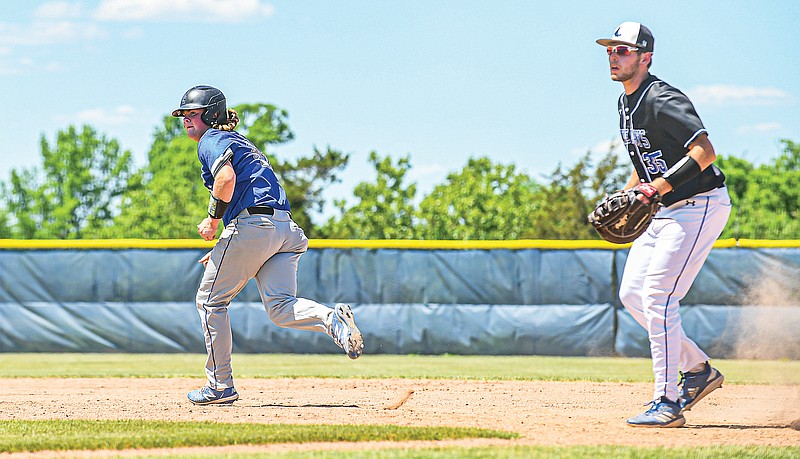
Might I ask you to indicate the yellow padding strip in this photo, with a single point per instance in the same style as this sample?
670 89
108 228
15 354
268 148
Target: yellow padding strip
767 243
33 244
459 245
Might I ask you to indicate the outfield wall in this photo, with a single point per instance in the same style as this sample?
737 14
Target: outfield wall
426 297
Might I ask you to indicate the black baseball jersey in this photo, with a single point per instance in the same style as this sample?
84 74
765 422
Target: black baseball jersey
657 124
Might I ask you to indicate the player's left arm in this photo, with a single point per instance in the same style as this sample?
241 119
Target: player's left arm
676 115
702 151
700 155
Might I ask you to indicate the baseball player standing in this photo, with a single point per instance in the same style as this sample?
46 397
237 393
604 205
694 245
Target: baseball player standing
672 158
259 241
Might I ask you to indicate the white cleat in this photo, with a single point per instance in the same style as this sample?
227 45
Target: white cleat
344 331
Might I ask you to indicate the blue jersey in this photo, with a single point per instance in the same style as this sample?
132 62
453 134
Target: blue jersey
256 183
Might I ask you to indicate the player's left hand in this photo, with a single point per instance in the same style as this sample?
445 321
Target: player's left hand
624 215
208 228
204 259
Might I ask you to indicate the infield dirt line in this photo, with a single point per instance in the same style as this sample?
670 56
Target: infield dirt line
541 412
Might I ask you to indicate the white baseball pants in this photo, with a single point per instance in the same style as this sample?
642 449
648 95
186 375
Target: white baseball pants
661 267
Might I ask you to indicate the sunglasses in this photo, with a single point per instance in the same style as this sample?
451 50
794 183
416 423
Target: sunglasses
621 50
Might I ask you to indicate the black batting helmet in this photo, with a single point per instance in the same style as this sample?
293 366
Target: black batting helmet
208 97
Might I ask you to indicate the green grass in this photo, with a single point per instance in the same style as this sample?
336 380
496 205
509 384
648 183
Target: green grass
91 435
610 369
31 436
529 452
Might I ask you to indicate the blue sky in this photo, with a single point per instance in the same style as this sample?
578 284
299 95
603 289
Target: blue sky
521 82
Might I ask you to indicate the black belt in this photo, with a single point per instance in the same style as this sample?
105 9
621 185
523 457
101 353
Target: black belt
261 210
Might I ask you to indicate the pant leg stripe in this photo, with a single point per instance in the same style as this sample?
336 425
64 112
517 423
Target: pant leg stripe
675 286
208 331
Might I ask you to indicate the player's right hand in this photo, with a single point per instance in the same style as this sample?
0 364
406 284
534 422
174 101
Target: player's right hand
646 192
208 228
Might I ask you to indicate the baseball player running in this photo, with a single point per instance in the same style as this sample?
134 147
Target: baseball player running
671 156
259 241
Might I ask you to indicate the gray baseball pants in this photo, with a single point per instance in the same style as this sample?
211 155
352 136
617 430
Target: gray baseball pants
267 248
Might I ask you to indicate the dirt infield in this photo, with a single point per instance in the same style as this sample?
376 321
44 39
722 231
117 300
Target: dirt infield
543 413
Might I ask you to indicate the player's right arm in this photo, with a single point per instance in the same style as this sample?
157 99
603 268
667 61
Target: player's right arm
633 181
646 191
224 183
222 191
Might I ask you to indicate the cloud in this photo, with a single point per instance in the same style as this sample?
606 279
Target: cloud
47 32
601 147
760 128
605 146
182 10
24 65
725 95
103 117
133 33
59 10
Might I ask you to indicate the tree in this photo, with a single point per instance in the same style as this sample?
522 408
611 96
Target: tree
305 181
5 225
76 192
572 194
166 198
264 125
765 198
384 209
493 201
482 201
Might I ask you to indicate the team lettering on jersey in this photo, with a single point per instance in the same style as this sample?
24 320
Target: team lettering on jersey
653 161
635 136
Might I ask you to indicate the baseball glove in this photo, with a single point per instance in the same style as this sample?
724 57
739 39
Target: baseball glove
621 216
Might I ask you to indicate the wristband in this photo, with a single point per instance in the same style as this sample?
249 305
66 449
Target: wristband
648 190
683 171
216 207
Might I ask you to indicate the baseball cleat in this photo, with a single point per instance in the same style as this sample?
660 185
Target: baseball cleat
695 386
344 331
662 413
208 396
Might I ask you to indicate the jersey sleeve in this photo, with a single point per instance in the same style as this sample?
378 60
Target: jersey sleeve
212 153
675 114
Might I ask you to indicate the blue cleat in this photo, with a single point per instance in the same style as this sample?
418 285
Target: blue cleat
662 413
695 386
344 331
208 396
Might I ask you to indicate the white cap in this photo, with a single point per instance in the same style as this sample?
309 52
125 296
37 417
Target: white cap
632 34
